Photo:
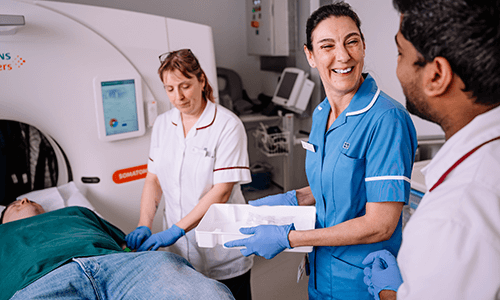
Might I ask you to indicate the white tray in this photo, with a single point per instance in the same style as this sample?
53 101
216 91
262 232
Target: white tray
222 222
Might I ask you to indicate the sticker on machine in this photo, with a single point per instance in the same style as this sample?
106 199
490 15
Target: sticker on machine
130 174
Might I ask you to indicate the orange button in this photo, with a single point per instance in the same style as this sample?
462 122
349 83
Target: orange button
130 174
255 24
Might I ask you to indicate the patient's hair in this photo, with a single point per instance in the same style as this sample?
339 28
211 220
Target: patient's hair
185 61
5 209
464 32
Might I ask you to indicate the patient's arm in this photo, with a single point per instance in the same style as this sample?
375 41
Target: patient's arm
150 200
219 193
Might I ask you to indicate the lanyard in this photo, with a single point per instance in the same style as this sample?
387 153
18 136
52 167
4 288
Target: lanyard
443 177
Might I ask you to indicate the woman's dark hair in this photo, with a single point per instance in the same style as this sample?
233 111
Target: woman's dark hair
185 61
339 9
465 33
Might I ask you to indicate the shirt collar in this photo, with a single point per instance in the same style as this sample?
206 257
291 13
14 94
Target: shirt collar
481 129
362 101
364 98
206 119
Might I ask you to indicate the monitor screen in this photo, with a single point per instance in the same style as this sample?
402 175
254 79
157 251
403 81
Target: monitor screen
286 86
119 106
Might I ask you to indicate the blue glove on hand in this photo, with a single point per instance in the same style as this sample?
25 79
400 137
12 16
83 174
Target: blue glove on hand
162 239
137 237
383 274
288 198
267 241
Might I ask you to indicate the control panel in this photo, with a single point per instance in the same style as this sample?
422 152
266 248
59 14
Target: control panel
267 27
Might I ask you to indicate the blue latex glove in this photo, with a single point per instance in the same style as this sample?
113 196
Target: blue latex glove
288 198
267 240
137 237
162 239
382 272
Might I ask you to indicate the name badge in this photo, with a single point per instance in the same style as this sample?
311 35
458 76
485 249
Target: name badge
308 146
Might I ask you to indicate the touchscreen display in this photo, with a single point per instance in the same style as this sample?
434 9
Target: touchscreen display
119 106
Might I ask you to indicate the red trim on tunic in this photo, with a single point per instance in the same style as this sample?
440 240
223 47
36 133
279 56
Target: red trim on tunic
231 168
443 177
215 114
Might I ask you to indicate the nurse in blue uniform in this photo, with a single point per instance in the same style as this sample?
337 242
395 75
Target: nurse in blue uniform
359 160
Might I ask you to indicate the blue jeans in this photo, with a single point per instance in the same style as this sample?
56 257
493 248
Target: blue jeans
138 275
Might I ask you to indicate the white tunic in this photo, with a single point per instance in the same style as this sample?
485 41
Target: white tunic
214 151
451 244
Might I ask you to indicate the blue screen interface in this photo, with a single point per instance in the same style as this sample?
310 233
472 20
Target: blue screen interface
120 106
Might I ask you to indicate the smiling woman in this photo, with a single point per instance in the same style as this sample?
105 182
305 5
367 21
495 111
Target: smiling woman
363 147
338 52
361 177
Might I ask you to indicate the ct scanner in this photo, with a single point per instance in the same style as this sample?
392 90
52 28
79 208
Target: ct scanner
48 68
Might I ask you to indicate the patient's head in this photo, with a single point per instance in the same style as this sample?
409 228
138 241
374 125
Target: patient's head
20 209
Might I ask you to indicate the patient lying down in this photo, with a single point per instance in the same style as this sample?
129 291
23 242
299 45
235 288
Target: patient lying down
72 252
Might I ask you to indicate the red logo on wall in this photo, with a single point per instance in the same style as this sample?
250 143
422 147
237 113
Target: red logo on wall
8 62
19 61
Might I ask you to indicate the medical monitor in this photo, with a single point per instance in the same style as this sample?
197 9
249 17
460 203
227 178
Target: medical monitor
119 107
293 90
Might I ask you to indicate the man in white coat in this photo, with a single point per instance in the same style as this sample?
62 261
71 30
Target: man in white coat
449 69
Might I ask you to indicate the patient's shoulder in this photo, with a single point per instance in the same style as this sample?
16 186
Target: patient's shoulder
76 211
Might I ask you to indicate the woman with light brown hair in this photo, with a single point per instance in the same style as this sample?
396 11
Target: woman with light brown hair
198 157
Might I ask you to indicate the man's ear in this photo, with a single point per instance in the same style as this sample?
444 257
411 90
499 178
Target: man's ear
310 60
437 77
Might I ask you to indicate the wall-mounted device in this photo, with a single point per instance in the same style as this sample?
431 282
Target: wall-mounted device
119 107
268 27
294 90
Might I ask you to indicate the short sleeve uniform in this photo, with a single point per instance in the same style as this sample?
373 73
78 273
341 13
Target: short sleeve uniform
366 155
214 151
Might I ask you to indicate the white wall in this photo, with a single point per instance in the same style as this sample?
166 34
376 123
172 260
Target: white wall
380 23
226 17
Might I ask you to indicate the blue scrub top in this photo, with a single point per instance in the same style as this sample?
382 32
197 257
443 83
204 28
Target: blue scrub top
366 155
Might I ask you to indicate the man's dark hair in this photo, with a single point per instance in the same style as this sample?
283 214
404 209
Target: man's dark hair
465 33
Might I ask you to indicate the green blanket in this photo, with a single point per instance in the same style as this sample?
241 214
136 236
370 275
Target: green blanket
32 247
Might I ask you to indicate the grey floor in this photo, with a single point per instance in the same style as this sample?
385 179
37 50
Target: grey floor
276 279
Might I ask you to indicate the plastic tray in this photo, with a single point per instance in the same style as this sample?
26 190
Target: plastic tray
222 222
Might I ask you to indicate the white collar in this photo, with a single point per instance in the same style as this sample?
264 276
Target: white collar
206 120
482 128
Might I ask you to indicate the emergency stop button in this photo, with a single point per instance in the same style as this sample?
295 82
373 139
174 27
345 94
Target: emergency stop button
255 24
